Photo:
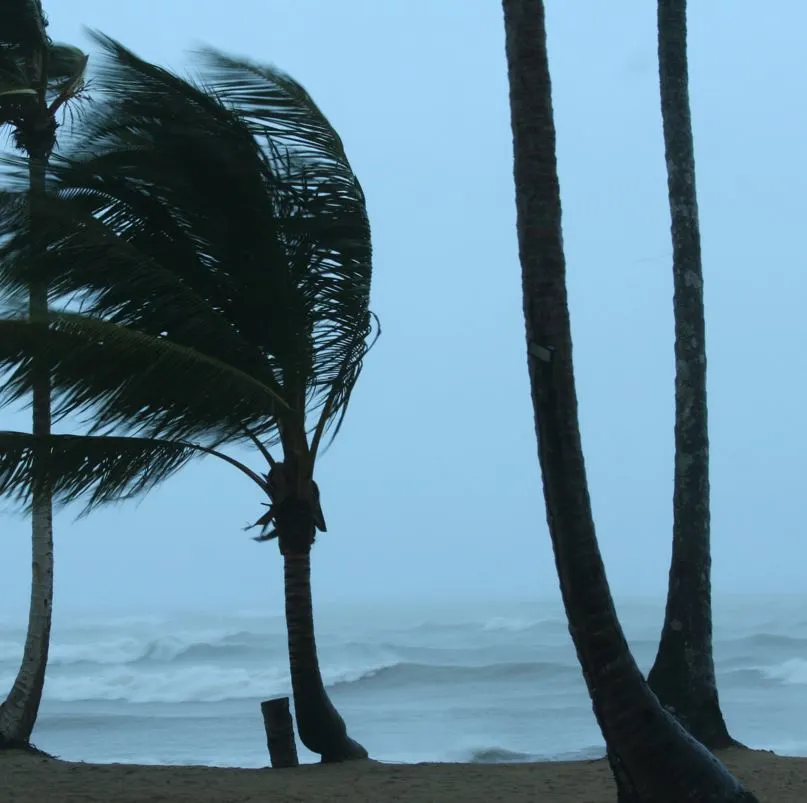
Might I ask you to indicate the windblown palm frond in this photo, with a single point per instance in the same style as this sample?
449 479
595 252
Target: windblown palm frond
94 469
66 64
228 205
171 171
22 25
275 107
104 272
120 377
333 231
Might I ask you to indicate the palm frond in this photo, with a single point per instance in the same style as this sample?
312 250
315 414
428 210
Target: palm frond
157 172
17 98
119 377
329 236
340 388
274 105
317 204
91 469
65 63
165 165
23 26
86 263
66 69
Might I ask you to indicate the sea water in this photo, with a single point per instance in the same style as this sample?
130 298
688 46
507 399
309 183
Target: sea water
415 682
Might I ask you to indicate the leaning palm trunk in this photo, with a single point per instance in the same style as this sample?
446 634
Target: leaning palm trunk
653 758
322 730
19 711
683 675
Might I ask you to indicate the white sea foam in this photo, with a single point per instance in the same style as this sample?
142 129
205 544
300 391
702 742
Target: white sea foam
206 684
792 671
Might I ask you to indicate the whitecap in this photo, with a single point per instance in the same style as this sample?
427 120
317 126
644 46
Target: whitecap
793 671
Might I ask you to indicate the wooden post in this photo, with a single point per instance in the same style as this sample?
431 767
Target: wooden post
279 733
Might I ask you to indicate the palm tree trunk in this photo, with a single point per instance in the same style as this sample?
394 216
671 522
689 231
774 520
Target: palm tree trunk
653 758
19 711
322 730
683 674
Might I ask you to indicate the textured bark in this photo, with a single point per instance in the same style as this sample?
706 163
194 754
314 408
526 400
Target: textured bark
19 711
319 725
683 674
653 758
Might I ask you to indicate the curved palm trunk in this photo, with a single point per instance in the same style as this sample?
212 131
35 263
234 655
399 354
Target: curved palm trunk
653 758
19 711
322 730
683 675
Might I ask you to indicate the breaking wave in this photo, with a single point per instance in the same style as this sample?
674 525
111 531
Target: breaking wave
216 683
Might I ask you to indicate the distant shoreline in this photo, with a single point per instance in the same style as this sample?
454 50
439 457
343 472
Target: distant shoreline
31 778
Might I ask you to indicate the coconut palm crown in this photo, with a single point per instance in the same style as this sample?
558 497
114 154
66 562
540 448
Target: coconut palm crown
37 76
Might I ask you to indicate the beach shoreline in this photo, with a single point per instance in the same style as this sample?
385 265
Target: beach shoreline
31 778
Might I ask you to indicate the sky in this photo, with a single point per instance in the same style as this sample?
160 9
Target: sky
432 489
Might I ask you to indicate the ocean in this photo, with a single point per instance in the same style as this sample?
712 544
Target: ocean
429 682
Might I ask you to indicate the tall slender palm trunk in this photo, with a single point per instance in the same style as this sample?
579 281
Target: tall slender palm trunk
683 674
653 758
18 713
320 726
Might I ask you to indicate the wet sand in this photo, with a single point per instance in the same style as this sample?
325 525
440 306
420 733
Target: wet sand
28 778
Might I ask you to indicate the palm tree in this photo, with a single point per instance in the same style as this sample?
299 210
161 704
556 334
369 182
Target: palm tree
217 241
683 674
36 78
653 758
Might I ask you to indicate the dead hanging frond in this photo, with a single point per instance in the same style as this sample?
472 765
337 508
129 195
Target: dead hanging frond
279 486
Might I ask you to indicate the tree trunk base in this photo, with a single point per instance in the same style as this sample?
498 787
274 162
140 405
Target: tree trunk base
279 728
24 747
347 750
700 714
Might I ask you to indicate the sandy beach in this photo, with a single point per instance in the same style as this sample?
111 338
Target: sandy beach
26 778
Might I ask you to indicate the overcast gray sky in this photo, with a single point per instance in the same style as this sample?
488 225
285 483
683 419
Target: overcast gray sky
432 487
